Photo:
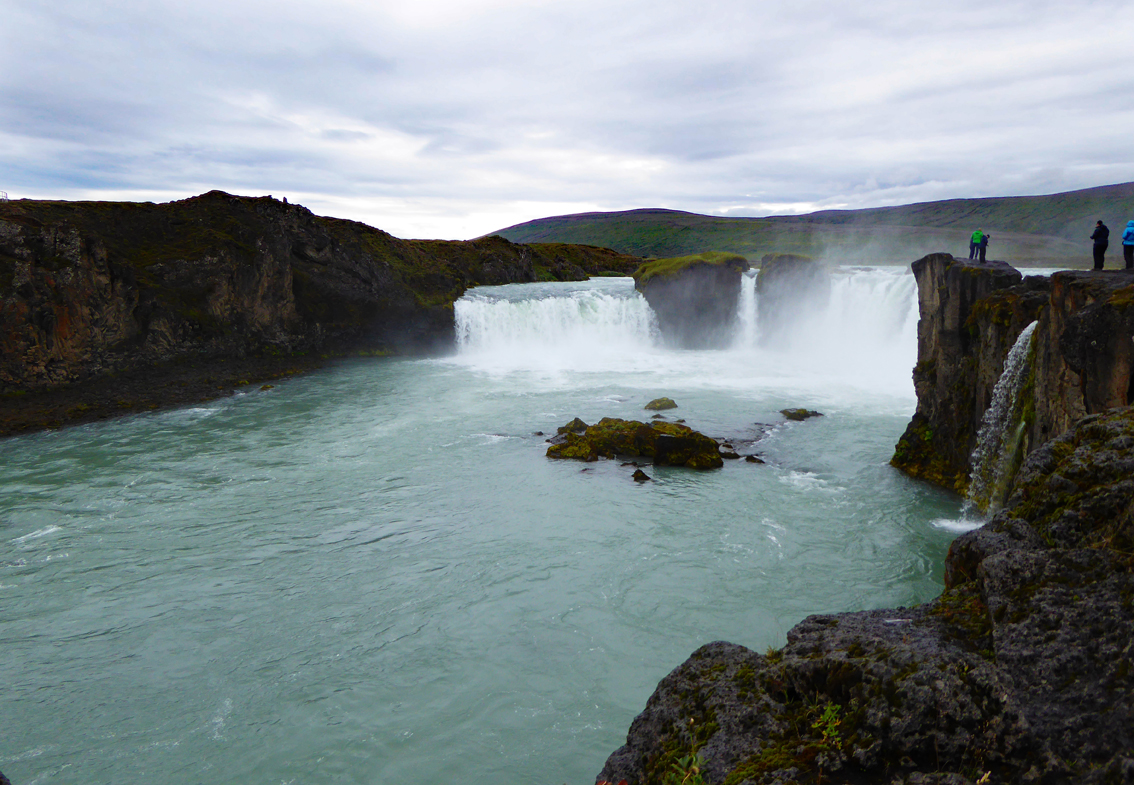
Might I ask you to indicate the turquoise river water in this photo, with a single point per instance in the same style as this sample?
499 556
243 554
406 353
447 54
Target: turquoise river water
372 574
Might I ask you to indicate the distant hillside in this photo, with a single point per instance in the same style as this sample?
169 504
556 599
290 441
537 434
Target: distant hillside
1040 230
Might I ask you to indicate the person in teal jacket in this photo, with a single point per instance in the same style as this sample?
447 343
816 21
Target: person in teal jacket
1128 245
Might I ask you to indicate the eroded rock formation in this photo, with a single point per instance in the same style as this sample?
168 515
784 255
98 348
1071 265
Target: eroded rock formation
694 297
89 289
1022 671
1081 360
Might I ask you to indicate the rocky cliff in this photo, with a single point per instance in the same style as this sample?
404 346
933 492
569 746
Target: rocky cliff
90 289
792 288
1021 672
1080 361
694 297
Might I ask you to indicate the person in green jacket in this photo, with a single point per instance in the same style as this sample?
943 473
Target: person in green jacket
974 243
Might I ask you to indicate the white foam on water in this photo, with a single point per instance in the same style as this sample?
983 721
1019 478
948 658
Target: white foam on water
957 525
37 534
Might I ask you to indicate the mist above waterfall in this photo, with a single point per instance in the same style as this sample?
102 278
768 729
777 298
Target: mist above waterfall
864 336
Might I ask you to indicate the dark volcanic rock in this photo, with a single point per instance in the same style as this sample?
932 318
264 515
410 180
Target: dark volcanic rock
798 415
971 314
90 289
694 297
1082 360
1021 672
575 426
791 288
668 444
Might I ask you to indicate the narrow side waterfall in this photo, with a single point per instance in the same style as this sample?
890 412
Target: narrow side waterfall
997 454
746 311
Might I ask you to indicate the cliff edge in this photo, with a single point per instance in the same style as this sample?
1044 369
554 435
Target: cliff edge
1021 672
1080 360
113 306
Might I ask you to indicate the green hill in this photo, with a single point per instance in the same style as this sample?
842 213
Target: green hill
1026 230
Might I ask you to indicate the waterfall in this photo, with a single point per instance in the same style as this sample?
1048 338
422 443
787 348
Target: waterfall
746 311
997 454
865 337
553 326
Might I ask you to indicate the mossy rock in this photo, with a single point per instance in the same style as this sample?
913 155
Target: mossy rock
661 404
798 415
665 268
668 444
575 426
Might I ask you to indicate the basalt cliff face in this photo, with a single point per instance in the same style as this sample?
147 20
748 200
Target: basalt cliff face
1022 671
1081 358
693 297
89 289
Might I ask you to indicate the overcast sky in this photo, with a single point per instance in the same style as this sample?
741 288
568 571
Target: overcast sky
437 118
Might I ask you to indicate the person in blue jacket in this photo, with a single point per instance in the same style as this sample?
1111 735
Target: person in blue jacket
1101 237
982 248
1128 245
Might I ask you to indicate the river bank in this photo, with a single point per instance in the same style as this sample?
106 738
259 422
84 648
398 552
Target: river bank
188 300
1021 670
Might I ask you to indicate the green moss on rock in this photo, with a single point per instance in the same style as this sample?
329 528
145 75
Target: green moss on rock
656 268
668 444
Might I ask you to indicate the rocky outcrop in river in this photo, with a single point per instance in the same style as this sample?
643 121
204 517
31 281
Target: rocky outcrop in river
1021 672
666 443
91 289
792 289
694 297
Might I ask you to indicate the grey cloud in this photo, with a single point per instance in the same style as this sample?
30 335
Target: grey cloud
630 104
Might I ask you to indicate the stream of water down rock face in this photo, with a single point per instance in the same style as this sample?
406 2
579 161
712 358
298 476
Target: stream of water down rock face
996 456
372 574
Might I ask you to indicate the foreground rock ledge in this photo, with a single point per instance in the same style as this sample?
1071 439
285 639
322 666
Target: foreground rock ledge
1022 671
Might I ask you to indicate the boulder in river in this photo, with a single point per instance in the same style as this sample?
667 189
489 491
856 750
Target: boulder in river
797 415
668 444
661 404
575 426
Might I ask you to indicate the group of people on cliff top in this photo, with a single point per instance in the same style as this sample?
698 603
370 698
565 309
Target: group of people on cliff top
978 244
1101 237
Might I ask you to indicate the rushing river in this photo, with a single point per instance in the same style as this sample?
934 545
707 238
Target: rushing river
372 574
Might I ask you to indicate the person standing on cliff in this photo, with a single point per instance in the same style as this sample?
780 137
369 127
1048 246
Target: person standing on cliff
984 238
1102 240
1128 245
974 243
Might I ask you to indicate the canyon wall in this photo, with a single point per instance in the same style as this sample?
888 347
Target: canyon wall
1022 671
89 289
1080 362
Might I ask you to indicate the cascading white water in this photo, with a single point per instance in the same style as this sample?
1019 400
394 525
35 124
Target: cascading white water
746 311
996 455
553 325
866 337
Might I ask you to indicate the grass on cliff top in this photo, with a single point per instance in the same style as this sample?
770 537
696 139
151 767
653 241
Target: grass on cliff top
667 267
